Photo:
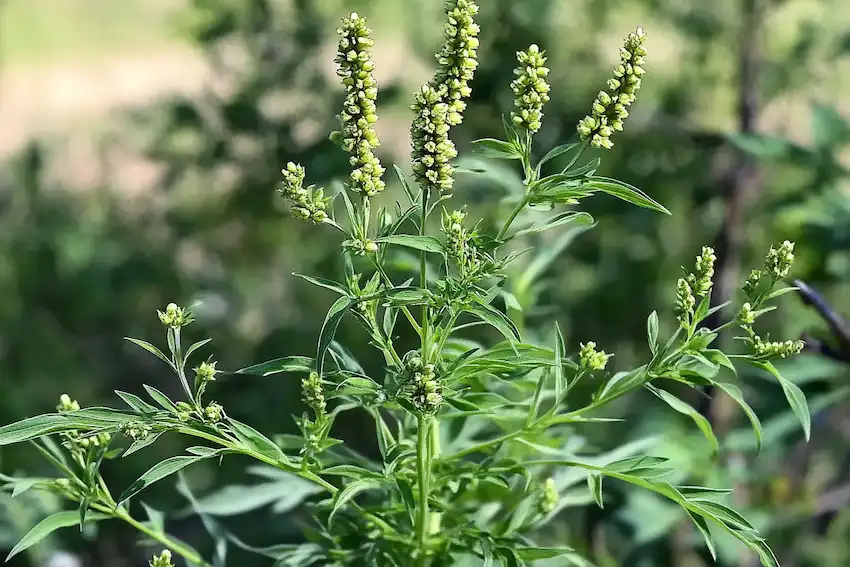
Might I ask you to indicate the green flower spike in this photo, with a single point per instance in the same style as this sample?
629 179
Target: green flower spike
458 58
531 91
611 108
308 203
358 116
313 395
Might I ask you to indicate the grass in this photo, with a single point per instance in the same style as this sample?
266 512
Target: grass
43 31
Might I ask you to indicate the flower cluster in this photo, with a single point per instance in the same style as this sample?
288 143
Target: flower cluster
531 91
460 242
162 560
751 284
206 372
174 316
458 58
135 430
610 108
438 105
685 302
308 203
427 392
746 315
313 395
66 404
73 440
701 280
778 261
772 349
358 117
548 497
214 412
592 359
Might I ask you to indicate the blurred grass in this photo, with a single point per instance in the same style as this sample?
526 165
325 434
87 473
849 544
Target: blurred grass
42 31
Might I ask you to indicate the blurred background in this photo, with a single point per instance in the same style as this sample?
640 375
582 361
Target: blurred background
141 142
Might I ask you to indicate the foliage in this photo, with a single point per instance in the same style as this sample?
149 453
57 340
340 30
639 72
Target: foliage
474 436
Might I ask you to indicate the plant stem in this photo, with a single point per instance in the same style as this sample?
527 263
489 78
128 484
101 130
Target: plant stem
423 466
517 210
162 538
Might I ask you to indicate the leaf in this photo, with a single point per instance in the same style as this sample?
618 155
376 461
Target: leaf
399 297
533 553
702 526
195 347
322 282
686 409
47 526
161 398
561 385
329 327
405 184
158 472
828 126
139 444
719 357
151 349
498 149
760 145
32 428
594 483
626 192
235 500
652 331
407 497
416 242
256 441
568 217
136 403
795 396
496 319
735 393
278 365
557 151
350 491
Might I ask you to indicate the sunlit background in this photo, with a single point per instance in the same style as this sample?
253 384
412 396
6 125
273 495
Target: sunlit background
141 143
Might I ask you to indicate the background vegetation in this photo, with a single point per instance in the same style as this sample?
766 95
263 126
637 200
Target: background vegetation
141 143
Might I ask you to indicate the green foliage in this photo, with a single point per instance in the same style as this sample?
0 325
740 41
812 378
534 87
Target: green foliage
474 426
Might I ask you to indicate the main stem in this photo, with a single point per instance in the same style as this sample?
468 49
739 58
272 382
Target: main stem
423 461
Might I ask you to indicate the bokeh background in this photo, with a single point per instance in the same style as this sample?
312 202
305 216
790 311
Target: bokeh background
141 142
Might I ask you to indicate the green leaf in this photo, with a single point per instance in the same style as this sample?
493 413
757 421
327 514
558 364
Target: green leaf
494 318
557 151
405 184
735 393
407 497
828 128
626 192
234 500
561 385
652 331
760 145
407 296
568 217
136 403
719 357
278 365
534 553
702 526
322 282
686 409
329 327
161 398
32 428
498 149
194 347
47 526
350 491
416 242
151 349
256 441
594 483
795 396
158 472
140 444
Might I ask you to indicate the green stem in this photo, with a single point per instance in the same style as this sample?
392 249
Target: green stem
176 547
517 210
423 273
482 446
422 471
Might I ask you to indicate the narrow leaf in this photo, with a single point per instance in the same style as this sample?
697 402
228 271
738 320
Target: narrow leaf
795 396
498 149
156 473
686 409
416 242
151 349
47 526
350 491
594 483
626 192
329 327
278 365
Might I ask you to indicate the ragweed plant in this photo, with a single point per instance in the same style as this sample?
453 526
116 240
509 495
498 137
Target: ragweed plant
473 438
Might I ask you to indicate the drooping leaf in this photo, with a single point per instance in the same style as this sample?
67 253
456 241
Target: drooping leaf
278 365
255 441
496 319
47 526
626 192
735 393
795 396
350 491
686 409
158 472
498 149
594 483
414 241
329 327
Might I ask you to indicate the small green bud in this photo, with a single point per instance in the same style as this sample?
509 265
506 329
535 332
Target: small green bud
174 316
206 372
184 411
781 349
752 283
162 560
591 359
214 412
136 430
746 315
549 496
66 404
